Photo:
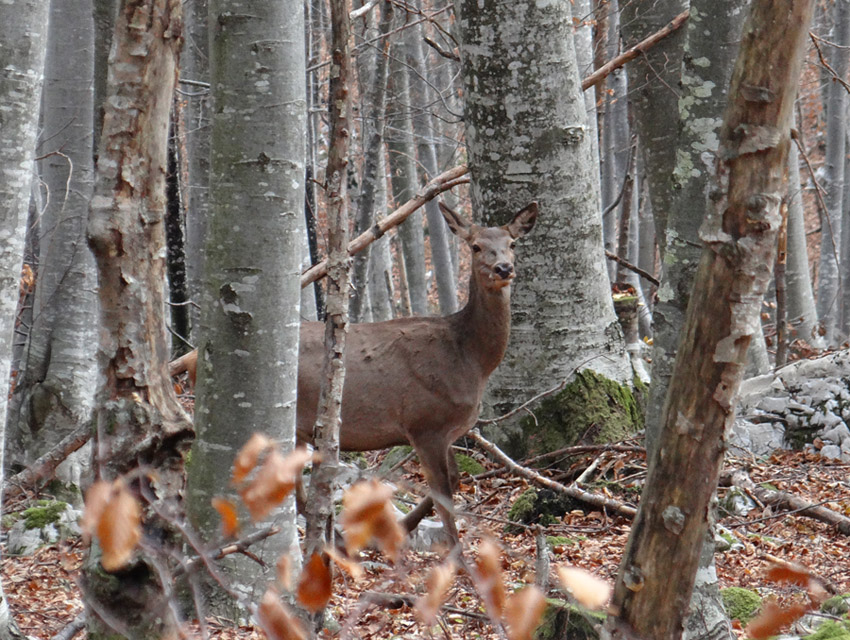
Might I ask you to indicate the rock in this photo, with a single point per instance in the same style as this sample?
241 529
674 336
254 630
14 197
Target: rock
836 435
831 451
427 535
44 523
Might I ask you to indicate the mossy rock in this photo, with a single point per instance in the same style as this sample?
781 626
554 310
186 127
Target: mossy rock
591 409
44 512
740 604
468 464
539 506
836 605
564 621
393 457
831 630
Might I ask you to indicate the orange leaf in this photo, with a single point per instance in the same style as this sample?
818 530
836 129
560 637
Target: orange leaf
351 567
773 618
274 481
588 590
229 518
120 528
97 497
367 514
276 621
284 571
523 612
789 572
314 588
437 586
490 583
248 455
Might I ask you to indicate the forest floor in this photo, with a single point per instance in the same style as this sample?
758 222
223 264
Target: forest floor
44 597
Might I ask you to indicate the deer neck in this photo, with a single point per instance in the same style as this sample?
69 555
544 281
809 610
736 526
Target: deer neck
484 325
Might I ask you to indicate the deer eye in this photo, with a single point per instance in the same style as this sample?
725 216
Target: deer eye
513 244
476 248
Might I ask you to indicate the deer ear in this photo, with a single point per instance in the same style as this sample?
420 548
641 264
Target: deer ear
523 221
457 223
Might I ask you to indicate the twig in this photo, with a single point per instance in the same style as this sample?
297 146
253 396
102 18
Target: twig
641 47
451 55
592 499
438 185
72 628
628 265
43 468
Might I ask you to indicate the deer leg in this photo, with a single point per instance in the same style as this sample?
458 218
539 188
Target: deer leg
441 472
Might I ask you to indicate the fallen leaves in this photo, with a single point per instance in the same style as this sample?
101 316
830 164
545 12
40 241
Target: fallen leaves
114 517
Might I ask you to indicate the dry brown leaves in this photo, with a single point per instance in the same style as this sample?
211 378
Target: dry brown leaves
114 517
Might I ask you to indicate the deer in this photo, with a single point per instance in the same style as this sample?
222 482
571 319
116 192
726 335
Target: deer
420 380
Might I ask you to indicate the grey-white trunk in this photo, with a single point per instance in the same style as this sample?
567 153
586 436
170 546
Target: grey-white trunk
802 317
380 260
57 377
583 38
402 156
828 301
23 39
528 140
248 353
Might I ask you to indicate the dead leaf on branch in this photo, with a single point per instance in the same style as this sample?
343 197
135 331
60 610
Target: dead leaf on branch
314 588
277 622
229 518
588 590
437 587
114 517
489 582
274 481
774 618
368 515
351 567
523 612
248 456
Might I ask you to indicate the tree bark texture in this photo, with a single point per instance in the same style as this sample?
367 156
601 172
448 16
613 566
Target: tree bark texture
319 508
248 352
57 374
527 140
656 575
137 419
23 39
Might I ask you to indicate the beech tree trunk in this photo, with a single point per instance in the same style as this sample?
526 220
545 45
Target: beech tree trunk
23 40
137 419
656 577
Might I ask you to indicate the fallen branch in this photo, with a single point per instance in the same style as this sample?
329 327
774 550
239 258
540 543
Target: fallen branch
786 501
595 500
641 47
41 471
72 628
628 265
438 185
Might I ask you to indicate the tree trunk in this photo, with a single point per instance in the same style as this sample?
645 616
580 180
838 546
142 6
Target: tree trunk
57 376
23 39
656 577
319 507
250 306
802 317
527 140
829 301
402 156
137 419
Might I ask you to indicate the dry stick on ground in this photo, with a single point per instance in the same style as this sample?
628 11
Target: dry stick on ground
593 499
786 501
630 54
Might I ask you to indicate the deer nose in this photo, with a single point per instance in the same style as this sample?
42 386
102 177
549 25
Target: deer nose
504 270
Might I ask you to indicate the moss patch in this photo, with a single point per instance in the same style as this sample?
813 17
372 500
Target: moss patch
831 630
836 605
44 513
468 465
740 604
591 409
564 621
542 506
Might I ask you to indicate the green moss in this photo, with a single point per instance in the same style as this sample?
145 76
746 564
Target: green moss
542 507
592 408
468 464
836 605
559 541
564 621
393 457
831 630
523 507
740 604
46 512
357 458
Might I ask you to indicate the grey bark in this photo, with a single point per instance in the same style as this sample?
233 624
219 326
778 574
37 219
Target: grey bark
23 38
424 130
802 317
195 67
105 13
828 300
248 353
527 140
380 261
372 73
843 330
583 38
57 377
402 159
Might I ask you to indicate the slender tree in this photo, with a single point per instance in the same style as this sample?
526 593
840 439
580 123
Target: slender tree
23 40
656 577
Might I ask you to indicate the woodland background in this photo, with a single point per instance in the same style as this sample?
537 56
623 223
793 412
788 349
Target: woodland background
174 172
